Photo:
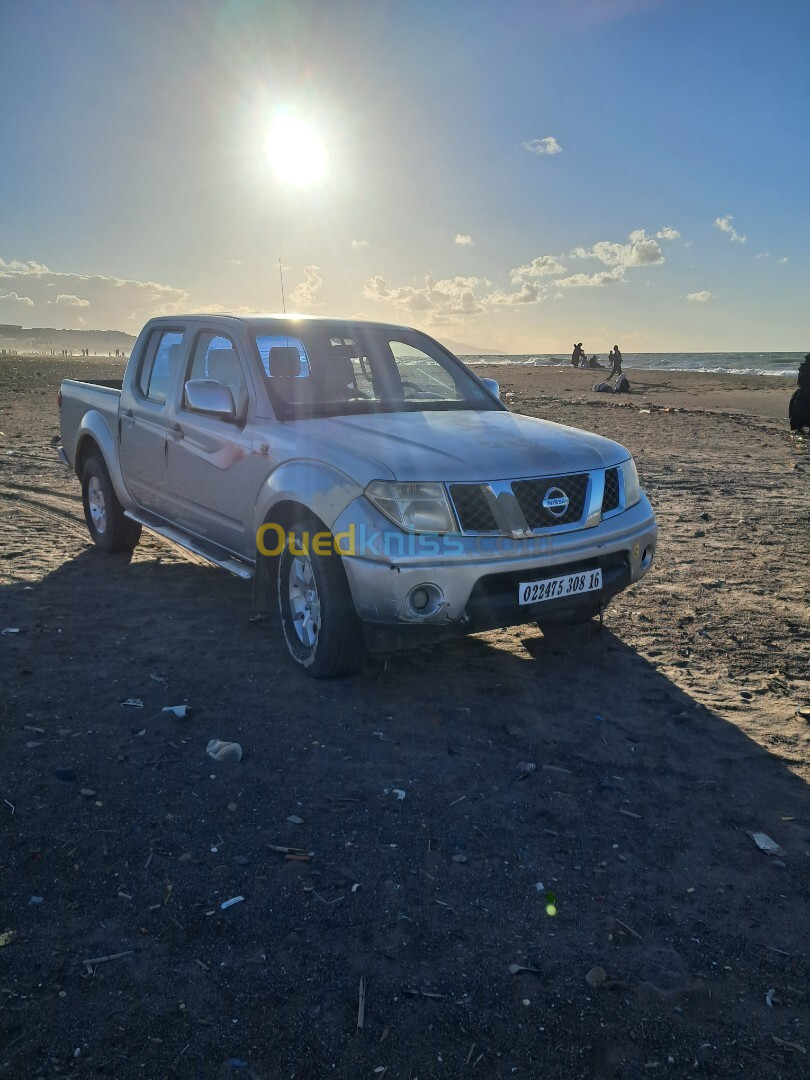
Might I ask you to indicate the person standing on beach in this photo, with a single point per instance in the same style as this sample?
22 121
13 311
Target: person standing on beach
615 361
578 356
799 407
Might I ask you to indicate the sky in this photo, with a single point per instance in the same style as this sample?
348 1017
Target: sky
515 176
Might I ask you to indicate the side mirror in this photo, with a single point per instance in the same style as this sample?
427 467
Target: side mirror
211 396
493 387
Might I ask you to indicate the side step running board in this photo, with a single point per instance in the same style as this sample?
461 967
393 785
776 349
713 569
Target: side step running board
169 532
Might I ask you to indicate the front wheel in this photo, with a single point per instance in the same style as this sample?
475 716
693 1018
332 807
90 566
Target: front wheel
109 528
320 625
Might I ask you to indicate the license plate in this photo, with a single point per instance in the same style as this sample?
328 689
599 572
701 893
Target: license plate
557 588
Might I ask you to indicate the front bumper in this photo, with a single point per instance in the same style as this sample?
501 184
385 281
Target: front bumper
477 577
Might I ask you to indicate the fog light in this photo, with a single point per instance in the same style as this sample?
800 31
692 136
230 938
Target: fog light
647 556
420 598
425 600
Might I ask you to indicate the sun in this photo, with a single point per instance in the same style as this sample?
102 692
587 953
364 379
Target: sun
295 151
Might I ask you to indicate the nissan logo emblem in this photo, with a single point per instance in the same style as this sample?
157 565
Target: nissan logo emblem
555 501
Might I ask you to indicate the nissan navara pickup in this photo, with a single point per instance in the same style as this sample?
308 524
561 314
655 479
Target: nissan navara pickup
377 491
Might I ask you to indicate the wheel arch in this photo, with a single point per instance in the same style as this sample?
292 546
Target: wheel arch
318 488
312 488
95 435
285 513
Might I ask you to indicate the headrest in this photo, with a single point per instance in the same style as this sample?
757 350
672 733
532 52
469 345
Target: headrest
223 364
343 368
284 361
174 355
336 374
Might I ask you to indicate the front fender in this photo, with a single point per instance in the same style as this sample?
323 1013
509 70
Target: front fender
324 490
95 426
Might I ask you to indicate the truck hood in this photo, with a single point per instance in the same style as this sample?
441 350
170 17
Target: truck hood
459 446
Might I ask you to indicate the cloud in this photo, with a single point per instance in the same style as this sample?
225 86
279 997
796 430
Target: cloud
642 250
603 277
464 239
13 298
541 266
764 255
306 292
448 297
784 259
700 297
549 145
226 309
69 300
667 233
359 243
13 268
117 303
528 293
725 226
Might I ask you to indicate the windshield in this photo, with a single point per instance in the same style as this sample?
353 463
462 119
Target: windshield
327 370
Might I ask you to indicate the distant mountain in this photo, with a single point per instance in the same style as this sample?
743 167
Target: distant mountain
46 339
460 349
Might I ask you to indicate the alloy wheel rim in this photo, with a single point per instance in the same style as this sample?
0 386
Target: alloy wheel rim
305 603
96 504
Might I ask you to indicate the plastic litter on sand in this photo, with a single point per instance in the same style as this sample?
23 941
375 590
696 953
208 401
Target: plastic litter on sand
224 751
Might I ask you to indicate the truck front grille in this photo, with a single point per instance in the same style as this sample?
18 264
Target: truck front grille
474 513
531 494
479 506
610 500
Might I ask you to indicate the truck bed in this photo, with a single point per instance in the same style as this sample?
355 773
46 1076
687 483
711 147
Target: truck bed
109 384
78 398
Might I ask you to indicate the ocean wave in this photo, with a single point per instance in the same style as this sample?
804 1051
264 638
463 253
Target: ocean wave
785 365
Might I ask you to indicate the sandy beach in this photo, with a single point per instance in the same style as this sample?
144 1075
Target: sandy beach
660 743
754 395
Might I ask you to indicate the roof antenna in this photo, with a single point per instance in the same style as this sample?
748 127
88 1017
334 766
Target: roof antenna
281 279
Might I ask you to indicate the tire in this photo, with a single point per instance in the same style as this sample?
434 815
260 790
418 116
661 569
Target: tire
318 620
106 523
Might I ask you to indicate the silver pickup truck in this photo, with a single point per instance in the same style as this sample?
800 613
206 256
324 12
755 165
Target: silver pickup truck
377 491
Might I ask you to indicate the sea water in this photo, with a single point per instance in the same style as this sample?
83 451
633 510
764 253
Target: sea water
726 363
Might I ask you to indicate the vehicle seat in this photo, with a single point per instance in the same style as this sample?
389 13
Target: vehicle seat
223 364
162 374
283 362
336 378
174 357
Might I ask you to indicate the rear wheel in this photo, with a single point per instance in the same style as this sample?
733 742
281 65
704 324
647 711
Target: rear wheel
321 629
108 527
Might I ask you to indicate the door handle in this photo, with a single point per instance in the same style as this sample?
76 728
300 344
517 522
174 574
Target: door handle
127 415
176 432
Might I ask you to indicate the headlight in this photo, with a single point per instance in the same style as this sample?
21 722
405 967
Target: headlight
632 488
416 507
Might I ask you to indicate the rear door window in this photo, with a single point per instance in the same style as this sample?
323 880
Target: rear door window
160 359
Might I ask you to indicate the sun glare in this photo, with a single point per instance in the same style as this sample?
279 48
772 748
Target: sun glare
295 151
